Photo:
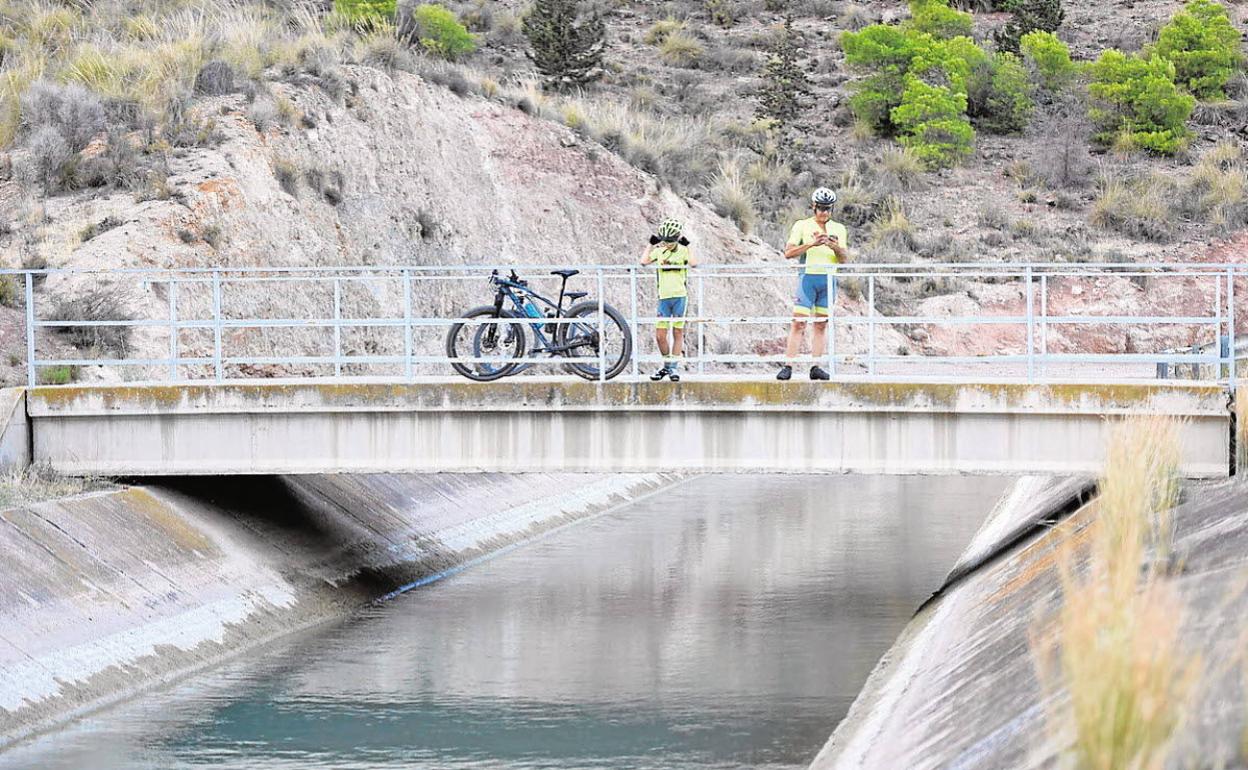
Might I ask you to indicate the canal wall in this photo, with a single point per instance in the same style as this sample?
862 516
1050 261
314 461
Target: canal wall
107 594
960 689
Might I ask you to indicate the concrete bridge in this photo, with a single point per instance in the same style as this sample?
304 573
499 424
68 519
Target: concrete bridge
536 424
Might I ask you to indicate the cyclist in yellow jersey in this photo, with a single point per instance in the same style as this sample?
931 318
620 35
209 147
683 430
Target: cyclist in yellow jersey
670 253
819 244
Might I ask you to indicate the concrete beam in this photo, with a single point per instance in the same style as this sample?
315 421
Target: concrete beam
528 424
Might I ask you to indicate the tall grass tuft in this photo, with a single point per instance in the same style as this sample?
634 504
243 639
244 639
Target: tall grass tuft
733 195
1119 658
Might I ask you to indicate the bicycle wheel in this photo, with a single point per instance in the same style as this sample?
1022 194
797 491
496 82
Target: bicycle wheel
498 347
582 339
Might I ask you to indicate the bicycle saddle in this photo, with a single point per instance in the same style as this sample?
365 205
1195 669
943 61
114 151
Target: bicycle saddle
573 296
565 273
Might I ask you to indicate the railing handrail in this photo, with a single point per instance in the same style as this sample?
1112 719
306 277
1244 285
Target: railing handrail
1034 317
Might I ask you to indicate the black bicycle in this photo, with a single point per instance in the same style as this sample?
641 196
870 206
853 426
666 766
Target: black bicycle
596 335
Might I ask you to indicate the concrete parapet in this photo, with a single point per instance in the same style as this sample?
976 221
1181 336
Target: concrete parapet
535 425
107 594
15 438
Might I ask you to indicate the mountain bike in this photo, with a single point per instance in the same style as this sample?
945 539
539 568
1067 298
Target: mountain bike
497 348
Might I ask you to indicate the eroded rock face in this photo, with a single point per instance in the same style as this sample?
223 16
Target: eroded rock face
402 173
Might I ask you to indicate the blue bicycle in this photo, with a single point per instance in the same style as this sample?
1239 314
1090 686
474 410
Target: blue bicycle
490 351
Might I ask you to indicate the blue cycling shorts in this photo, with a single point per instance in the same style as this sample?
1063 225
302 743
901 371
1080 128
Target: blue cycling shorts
813 293
672 307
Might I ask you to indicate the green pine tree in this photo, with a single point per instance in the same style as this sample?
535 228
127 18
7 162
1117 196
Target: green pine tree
565 48
1029 16
786 85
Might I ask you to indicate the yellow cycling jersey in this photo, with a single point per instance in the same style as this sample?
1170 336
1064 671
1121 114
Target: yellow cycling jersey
673 270
817 258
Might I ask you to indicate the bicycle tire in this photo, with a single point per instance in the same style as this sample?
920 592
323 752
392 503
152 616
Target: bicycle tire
472 370
616 319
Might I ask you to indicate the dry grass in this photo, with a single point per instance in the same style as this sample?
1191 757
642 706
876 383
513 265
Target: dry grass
35 483
1117 634
733 195
1216 192
893 231
661 30
680 50
1140 207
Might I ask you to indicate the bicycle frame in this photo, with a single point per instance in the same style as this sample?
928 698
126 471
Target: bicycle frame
517 293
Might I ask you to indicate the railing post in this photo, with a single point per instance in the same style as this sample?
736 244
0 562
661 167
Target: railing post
602 332
1031 327
407 324
30 330
632 281
218 365
830 277
870 324
173 330
1230 315
337 327
1044 324
701 325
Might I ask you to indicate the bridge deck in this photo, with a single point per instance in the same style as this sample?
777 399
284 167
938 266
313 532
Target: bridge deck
542 424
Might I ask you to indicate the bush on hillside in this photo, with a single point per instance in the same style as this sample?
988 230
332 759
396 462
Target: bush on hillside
1136 101
1204 47
365 13
566 48
438 31
999 96
937 19
886 52
933 123
1029 16
1049 60
785 82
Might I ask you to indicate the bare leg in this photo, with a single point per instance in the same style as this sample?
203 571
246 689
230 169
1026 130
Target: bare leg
678 341
819 337
796 332
660 336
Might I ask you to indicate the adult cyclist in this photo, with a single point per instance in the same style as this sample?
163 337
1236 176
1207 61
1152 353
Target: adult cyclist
819 244
670 253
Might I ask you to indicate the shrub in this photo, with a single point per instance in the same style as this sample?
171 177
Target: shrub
263 114
439 32
1029 16
999 95
365 13
892 230
659 30
680 50
566 48
100 304
1140 208
723 13
937 19
900 169
215 78
287 176
1049 58
733 196
96 228
933 123
1216 192
1137 101
785 85
48 161
73 111
1204 47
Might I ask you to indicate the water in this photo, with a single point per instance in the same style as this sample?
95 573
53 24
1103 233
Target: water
727 622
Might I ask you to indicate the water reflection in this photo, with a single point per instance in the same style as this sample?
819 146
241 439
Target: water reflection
726 622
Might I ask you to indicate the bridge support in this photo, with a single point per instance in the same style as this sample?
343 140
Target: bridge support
542 425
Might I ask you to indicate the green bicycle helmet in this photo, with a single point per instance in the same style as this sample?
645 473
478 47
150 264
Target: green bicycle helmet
670 229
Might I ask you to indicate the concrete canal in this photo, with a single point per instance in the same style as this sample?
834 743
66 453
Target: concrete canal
725 621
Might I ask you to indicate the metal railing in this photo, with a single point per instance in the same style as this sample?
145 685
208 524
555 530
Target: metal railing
1029 323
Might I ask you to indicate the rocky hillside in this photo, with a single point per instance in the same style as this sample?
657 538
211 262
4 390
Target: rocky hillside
275 136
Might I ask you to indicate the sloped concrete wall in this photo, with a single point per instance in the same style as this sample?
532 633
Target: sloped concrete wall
959 689
106 594
15 438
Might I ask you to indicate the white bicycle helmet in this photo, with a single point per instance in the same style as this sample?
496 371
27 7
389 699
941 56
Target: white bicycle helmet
823 197
670 229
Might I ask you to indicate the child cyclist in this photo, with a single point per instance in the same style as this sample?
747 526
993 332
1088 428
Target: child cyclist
670 253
